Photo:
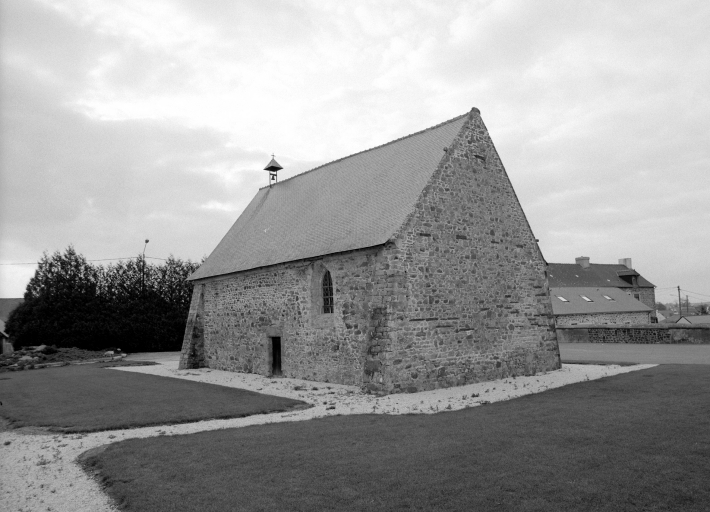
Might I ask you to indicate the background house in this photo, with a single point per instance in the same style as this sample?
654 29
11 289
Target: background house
603 286
597 306
693 319
7 306
405 267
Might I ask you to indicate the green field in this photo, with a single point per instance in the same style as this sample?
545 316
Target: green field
88 398
634 442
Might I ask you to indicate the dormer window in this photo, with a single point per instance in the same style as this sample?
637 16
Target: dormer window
586 298
327 292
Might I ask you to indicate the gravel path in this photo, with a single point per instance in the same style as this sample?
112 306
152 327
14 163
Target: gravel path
38 471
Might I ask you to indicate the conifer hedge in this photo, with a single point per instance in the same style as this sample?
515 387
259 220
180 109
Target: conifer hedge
132 305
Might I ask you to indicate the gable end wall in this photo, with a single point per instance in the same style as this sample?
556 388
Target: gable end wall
464 295
647 295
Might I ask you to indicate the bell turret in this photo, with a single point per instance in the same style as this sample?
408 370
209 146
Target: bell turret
273 167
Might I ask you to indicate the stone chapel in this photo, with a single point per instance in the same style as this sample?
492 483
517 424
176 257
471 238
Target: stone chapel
406 267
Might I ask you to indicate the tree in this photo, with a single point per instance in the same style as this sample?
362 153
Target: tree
71 303
62 276
59 299
660 306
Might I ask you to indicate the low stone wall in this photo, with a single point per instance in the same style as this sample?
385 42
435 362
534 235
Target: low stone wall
642 334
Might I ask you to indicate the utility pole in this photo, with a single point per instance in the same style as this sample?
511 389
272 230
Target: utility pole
680 304
143 271
687 305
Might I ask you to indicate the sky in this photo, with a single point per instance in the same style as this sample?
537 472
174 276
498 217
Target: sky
130 120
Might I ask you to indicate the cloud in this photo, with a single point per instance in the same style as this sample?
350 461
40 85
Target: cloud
105 186
126 120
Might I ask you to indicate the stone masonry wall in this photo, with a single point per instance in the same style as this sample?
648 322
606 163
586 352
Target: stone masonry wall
639 317
646 295
458 295
243 312
463 295
650 334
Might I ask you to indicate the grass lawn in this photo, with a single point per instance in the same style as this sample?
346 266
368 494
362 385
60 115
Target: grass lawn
638 441
89 398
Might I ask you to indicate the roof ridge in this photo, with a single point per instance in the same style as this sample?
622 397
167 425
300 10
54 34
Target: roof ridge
369 149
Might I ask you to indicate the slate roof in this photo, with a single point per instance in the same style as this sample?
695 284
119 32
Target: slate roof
622 303
356 202
696 319
596 275
672 319
7 306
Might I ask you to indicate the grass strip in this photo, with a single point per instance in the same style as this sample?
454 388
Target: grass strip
638 441
88 398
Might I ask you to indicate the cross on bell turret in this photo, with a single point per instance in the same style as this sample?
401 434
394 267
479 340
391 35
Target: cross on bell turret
273 167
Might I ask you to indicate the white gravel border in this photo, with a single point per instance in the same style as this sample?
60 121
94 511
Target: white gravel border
40 473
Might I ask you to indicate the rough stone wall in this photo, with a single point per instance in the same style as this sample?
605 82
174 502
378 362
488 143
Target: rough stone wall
665 334
646 295
639 317
462 290
459 295
242 312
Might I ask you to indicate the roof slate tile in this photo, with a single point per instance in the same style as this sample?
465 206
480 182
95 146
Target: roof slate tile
576 305
597 274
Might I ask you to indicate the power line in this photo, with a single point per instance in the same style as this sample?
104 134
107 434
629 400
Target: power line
696 293
682 289
104 259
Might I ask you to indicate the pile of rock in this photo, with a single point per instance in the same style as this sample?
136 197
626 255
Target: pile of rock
28 358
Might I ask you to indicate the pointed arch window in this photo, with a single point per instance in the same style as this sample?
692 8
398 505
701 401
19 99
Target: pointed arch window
327 292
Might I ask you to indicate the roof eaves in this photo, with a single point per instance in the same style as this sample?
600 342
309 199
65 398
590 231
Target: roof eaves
216 277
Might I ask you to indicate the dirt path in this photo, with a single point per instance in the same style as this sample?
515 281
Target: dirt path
156 357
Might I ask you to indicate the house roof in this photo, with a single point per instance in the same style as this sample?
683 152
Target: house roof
696 319
671 319
621 301
596 275
7 306
356 202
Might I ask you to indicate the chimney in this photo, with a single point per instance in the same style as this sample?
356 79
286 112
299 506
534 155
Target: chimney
626 262
582 261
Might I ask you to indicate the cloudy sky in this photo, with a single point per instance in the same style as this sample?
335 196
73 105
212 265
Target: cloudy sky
127 120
